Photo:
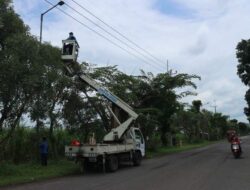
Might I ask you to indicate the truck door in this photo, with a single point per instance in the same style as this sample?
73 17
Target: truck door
140 143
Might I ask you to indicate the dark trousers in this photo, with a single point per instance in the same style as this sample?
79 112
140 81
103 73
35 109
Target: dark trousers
44 158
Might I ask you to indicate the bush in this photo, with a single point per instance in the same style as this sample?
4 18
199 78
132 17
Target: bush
153 143
7 169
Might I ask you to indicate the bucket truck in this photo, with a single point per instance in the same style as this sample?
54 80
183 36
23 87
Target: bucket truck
123 143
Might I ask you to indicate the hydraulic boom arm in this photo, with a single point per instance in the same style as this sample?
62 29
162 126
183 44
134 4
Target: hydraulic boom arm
116 133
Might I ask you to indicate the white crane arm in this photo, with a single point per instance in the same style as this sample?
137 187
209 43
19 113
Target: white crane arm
69 56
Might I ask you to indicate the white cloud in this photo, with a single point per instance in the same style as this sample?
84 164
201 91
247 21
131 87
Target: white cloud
25 7
203 44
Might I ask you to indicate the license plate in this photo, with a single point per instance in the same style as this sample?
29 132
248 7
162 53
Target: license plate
92 159
70 154
92 155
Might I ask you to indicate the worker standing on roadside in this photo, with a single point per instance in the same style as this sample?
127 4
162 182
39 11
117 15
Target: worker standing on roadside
44 148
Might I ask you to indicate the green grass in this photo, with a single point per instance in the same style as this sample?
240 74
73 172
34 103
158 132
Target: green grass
169 150
14 174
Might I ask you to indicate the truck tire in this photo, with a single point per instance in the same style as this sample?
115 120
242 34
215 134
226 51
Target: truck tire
82 165
137 157
112 163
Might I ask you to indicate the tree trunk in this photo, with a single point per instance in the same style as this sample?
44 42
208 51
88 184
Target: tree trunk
13 126
164 129
4 116
164 140
2 119
53 148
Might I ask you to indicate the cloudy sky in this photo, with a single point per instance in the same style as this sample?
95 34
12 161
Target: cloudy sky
196 37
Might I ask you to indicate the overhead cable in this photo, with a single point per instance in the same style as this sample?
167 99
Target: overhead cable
106 38
112 35
115 30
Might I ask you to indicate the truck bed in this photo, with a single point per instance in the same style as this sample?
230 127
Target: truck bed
87 150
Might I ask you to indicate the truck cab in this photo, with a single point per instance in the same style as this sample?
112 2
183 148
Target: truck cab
140 142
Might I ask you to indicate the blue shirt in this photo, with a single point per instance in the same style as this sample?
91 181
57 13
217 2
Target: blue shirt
44 147
73 38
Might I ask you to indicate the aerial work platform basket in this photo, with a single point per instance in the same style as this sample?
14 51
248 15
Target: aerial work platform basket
69 50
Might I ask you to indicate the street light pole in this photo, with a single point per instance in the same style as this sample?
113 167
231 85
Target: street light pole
41 19
214 106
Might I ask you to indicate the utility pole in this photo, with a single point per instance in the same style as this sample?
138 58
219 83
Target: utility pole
167 67
214 106
170 71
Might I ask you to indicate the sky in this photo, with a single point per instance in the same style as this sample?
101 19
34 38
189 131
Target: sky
196 37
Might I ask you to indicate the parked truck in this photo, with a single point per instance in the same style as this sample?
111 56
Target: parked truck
123 143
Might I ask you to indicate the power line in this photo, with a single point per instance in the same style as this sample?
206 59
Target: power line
112 35
115 44
115 30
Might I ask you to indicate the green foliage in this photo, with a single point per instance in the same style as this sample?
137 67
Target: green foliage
7 169
196 105
10 23
159 92
204 125
243 69
153 143
24 144
243 128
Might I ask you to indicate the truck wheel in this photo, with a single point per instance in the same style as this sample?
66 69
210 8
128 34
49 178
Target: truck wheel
82 166
112 163
137 158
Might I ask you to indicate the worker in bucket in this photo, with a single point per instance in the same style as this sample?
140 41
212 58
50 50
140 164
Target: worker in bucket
72 37
68 48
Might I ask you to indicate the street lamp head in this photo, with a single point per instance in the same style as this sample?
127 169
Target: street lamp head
41 25
61 3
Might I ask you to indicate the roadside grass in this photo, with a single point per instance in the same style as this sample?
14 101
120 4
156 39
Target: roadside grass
170 150
22 173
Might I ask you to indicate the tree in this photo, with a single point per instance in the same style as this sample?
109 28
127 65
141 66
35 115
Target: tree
159 93
243 69
10 23
196 105
20 78
11 26
31 75
243 128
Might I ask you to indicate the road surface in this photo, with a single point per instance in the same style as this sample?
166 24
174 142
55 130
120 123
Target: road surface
208 168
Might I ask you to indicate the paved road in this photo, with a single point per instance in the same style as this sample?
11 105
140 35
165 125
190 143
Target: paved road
209 168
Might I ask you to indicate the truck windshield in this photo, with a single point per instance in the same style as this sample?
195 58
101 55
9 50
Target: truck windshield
138 135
